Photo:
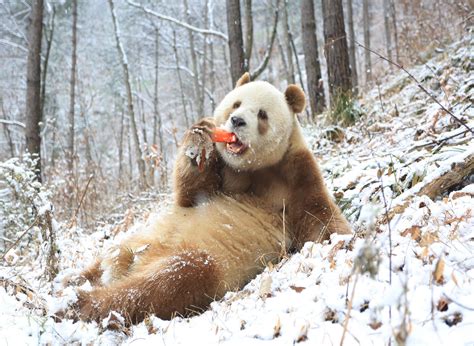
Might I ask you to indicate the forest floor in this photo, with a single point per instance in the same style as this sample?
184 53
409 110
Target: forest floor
403 175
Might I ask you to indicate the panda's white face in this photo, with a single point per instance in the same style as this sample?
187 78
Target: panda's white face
258 114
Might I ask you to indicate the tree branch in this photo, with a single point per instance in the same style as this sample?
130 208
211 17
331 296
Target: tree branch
255 73
178 22
12 122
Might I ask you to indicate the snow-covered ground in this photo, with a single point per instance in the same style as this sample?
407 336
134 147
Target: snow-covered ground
410 279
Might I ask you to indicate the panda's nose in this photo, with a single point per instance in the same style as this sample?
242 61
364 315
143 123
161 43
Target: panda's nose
237 121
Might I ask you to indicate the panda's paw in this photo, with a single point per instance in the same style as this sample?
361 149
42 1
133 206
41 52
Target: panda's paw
198 145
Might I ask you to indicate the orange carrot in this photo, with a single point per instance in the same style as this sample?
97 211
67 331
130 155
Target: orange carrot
220 135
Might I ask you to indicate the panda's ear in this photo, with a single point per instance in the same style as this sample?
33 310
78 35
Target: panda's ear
295 97
243 80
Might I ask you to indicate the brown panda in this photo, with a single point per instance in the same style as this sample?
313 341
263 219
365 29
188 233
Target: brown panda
238 206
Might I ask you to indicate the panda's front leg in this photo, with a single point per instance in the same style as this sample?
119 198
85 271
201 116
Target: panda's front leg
197 168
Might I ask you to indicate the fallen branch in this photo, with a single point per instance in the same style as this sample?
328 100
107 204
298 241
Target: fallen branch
412 77
454 176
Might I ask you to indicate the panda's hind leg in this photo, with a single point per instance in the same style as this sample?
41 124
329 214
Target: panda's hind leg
181 283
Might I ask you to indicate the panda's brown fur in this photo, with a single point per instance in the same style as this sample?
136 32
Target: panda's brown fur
232 215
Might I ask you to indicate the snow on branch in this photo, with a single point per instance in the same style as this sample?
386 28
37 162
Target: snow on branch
12 122
178 22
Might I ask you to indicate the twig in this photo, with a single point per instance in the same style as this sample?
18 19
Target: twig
349 308
82 197
418 84
20 237
457 303
438 141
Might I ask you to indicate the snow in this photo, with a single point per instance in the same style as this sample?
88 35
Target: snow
422 294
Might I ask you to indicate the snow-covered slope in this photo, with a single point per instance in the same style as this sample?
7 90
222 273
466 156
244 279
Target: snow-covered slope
407 275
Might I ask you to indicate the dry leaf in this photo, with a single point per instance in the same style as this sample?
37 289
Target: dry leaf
375 325
454 279
438 272
277 328
443 304
333 253
265 287
428 238
297 288
453 319
414 232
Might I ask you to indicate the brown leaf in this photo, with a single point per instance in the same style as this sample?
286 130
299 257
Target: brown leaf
375 325
298 289
277 328
428 238
414 231
333 253
438 272
452 320
443 304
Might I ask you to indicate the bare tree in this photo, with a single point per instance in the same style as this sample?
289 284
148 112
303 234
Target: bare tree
49 43
386 21
198 98
366 20
33 83
336 52
352 55
131 112
236 42
180 80
287 41
248 33
72 104
310 48
393 16
157 120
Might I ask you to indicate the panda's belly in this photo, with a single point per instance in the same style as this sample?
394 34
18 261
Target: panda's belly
274 192
266 184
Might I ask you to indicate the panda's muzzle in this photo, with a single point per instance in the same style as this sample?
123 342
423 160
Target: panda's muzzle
237 121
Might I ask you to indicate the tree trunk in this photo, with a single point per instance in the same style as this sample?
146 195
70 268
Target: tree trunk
158 125
180 80
131 112
120 148
310 47
366 20
287 41
236 43
386 21
8 134
49 41
198 98
248 33
336 52
33 84
393 16
352 55
72 102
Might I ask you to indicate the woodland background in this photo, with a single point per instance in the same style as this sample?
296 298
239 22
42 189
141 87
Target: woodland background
103 134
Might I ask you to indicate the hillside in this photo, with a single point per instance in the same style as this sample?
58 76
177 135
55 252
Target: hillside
404 176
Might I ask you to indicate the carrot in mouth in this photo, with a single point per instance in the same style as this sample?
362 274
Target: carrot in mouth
220 135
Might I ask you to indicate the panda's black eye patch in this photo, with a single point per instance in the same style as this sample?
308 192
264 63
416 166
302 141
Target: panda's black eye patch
262 114
236 104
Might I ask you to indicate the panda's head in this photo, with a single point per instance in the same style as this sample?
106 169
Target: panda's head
262 118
